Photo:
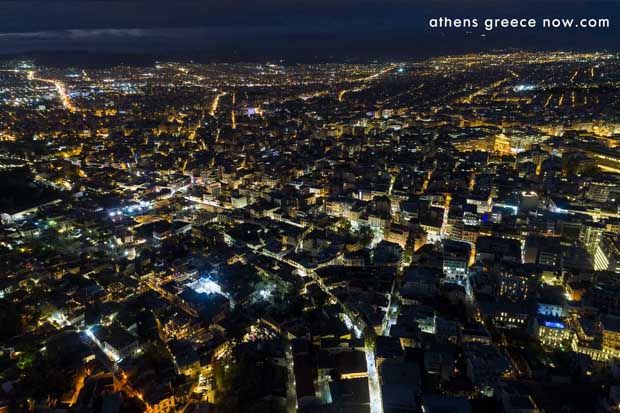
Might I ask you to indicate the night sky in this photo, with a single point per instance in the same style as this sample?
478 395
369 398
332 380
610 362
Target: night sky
304 30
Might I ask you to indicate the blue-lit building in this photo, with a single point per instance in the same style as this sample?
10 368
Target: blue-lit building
554 332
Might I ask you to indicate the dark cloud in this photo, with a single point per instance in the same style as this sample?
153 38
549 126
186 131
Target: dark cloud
255 27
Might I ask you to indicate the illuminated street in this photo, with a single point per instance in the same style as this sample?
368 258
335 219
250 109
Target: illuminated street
376 405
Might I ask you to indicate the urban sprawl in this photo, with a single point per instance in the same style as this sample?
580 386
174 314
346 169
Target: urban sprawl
430 236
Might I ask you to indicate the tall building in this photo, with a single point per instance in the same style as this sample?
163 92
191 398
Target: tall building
607 256
590 235
456 257
611 332
528 201
543 251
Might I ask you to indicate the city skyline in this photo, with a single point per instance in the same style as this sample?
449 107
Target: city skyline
329 206
310 31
